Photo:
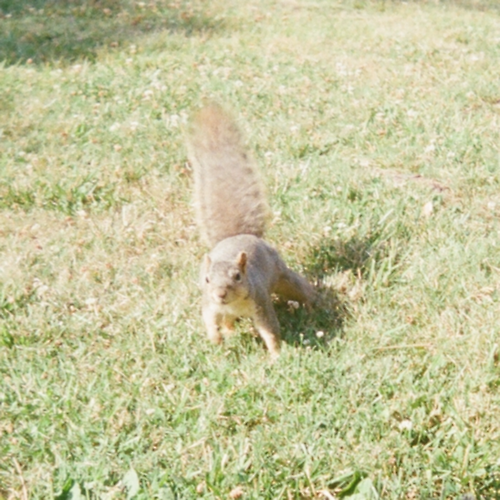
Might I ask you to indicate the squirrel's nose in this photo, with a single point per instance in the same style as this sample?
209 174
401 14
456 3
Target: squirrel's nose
221 294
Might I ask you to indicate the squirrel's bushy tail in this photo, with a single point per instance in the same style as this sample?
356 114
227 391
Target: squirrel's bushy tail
229 196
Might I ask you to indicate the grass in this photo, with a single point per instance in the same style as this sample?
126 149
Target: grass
376 127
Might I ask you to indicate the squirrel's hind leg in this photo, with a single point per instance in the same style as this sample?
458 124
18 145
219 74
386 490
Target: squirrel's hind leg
292 286
228 324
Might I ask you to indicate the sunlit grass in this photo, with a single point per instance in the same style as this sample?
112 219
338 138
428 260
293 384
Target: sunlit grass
376 129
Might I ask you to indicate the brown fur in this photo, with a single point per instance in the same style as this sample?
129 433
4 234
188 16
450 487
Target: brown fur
242 270
229 196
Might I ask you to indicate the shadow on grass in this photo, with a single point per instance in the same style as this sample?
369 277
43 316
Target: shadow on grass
358 253
42 31
362 256
481 5
317 327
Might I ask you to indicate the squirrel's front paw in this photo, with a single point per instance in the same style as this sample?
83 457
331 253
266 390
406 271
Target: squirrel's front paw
214 335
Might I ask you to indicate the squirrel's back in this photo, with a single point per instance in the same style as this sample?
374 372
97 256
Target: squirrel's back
229 196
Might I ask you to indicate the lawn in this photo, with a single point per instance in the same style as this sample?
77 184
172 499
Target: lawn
376 128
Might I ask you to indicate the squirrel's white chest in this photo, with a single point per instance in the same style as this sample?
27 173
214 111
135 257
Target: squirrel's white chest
241 308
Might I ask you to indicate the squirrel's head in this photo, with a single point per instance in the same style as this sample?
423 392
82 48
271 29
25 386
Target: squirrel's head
225 281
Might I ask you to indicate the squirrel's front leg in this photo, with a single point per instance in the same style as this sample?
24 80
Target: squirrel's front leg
267 325
212 322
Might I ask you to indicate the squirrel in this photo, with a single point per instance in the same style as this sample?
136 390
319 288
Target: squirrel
241 272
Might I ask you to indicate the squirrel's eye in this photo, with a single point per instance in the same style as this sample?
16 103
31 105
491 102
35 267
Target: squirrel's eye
237 277
207 279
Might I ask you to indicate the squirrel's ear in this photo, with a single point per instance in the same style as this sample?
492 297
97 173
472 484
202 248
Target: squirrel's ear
241 260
